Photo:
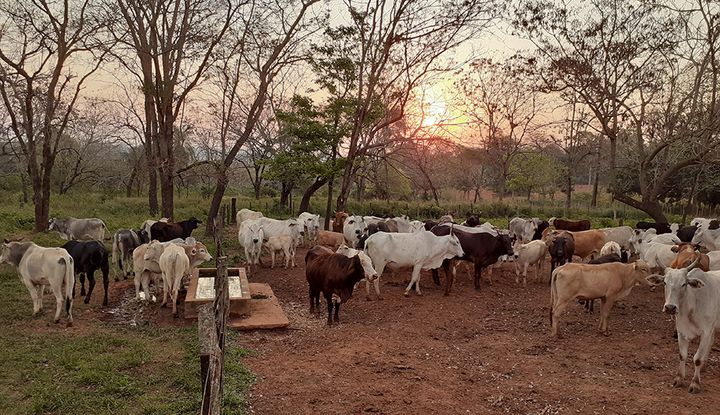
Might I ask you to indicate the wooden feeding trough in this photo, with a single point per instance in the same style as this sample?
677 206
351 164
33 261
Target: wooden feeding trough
202 290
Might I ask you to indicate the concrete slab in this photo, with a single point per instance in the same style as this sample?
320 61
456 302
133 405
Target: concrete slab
264 311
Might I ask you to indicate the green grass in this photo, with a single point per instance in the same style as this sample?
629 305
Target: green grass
99 367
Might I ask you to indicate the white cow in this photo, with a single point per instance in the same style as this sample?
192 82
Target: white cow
531 253
416 226
282 243
71 229
701 223
177 261
403 224
251 236
708 238
353 228
276 227
521 229
146 264
693 297
370 273
421 250
245 214
39 267
611 247
644 237
656 255
312 226
620 234
473 229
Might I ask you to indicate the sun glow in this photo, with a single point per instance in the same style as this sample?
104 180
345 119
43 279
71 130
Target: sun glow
435 112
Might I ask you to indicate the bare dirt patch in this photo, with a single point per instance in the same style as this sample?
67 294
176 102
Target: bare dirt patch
486 351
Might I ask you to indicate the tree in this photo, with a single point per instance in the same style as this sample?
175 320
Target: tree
47 53
173 42
502 103
533 171
645 80
398 44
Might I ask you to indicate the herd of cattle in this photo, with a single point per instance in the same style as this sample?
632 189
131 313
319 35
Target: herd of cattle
686 260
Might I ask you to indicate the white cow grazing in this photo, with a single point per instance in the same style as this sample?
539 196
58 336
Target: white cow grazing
620 234
370 273
251 236
245 214
421 250
282 243
176 261
531 253
353 228
693 297
312 226
71 229
708 238
521 229
611 247
39 267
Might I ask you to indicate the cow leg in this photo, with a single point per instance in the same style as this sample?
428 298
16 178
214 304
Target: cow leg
91 285
525 267
82 284
555 313
700 358
517 272
328 300
36 300
59 298
272 255
286 252
450 278
377 288
683 344
41 293
106 280
478 273
414 280
337 312
605 306
175 288
311 295
379 269
436 275
165 290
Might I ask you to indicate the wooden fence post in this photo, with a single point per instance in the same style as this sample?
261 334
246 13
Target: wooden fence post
233 209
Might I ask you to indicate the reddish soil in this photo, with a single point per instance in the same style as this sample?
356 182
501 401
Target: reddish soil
486 351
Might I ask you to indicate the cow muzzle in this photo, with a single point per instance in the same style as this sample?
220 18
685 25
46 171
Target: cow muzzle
670 309
255 241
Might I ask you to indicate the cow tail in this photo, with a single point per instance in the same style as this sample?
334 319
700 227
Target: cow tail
69 281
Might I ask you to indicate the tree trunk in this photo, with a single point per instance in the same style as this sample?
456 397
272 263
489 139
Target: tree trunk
167 170
220 186
568 192
305 202
41 199
328 205
150 137
128 187
24 184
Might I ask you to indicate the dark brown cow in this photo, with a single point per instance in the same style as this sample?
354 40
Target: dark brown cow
164 232
570 225
660 227
482 249
335 275
561 246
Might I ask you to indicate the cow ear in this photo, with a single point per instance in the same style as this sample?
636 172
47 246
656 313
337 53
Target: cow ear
193 251
655 279
695 283
675 248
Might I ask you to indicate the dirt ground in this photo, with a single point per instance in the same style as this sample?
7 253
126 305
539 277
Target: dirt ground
486 351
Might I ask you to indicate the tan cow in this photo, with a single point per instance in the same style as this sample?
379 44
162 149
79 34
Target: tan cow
687 254
282 243
609 282
588 243
176 261
330 239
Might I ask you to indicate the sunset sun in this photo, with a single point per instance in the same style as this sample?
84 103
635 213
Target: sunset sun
435 112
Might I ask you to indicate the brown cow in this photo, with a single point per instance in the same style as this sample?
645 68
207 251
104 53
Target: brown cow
588 243
608 282
335 275
570 225
338 221
687 254
331 239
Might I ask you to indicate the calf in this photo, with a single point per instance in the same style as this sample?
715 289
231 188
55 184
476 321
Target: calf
608 282
693 297
39 267
176 261
370 273
164 232
561 246
330 239
124 243
282 243
250 236
338 221
570 225
334 275
89 256
531 253
146 264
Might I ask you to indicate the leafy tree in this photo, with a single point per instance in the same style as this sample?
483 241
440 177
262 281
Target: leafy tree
533 171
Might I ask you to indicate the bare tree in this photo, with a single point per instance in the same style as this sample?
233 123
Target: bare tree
48 50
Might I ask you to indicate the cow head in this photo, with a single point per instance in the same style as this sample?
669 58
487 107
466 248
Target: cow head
507 243
199 254
256 232
13 251
193 221
677 282
354 225
454 247
143 236
472 221
296 228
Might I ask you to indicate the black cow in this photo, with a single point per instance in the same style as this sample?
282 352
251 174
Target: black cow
539 232
164 232
89 256
472 221
660 227
571 225
561 249
686 233
482 249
